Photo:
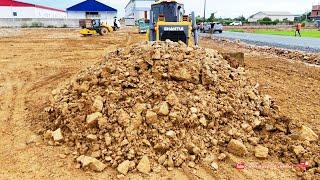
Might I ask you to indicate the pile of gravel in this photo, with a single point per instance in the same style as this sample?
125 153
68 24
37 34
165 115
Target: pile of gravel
165 104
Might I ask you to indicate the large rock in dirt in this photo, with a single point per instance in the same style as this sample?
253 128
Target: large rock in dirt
98 104
92 163
306 134
123 168
184 71
151 117
163 109
123 118
298 150
236 147
92 119
144 165
57 135
261 152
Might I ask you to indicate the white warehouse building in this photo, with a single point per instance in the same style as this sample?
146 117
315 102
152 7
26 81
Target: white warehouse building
137 9
17 9
92 9
272 15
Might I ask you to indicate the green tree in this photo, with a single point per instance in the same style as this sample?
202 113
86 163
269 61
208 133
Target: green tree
211 18
266 21
199 19
241 18
305 16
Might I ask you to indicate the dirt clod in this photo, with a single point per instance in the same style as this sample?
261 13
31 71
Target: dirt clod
236 147
144 165
57 135
261 152
91 162
123 168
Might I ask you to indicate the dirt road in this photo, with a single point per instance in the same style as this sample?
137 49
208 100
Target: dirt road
35 62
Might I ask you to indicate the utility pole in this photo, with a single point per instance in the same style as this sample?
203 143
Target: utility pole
204 11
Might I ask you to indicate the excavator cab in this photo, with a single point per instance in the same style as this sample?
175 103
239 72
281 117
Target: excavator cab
168 21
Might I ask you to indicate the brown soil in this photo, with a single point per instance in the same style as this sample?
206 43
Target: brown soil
35 62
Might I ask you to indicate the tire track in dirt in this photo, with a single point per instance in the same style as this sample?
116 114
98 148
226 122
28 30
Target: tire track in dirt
49 79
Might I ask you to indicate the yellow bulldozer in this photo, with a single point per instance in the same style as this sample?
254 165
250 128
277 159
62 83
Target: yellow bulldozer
168 21
94 26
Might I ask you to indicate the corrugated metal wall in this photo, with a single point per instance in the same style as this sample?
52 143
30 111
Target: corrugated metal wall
29 12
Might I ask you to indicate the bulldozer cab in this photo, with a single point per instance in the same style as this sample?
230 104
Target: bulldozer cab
92 24
167 11
168 21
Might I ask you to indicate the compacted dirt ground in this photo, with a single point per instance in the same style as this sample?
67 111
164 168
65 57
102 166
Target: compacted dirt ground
33 62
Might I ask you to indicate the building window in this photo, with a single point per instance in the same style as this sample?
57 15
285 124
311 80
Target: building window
92 15
15 14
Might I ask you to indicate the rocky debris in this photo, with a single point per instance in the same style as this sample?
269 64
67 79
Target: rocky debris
34 139
261 152
92 137
163 109
98 104
214 166
236 147
222 156
176 105
57 135
298 150
203 121
92 119
306 134
144 165
151 117
311 58
123 168
91 162
170 133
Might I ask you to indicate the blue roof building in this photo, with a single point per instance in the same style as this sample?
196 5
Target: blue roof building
92 9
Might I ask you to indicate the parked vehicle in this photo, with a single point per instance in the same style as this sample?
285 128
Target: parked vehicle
143 25
213 27
216 27
236 23
207 27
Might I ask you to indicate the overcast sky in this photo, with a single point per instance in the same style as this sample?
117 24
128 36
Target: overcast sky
224 8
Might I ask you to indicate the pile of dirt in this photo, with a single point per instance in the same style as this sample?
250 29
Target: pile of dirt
167 104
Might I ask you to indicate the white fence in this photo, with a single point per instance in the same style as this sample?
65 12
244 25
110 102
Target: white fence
37 22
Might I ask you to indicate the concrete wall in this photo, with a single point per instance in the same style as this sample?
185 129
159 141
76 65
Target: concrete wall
29 12
45 22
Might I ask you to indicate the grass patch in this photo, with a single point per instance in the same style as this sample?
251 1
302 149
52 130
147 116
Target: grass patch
237 30
304 32
313 33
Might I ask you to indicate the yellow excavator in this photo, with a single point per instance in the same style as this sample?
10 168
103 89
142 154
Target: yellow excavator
168 21
94 26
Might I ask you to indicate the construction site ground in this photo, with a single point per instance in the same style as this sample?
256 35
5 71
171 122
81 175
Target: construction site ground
33 62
